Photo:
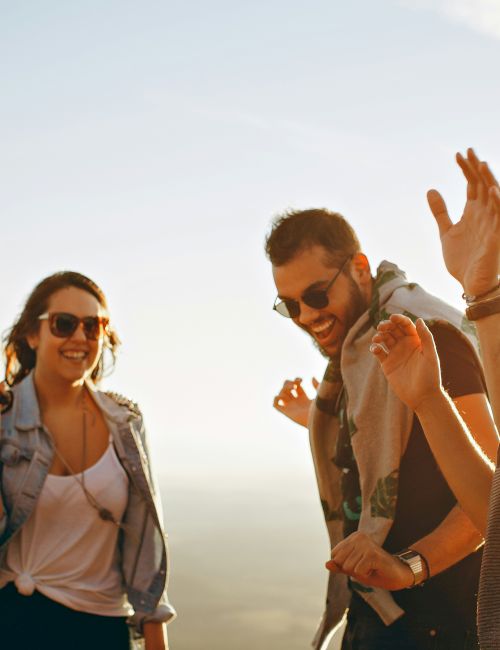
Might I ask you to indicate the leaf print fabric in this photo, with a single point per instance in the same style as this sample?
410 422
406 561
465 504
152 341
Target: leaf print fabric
384 497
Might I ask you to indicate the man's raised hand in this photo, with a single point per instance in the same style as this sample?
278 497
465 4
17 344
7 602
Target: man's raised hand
471 247
293 401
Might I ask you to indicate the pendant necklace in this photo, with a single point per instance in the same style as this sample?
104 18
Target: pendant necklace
104 513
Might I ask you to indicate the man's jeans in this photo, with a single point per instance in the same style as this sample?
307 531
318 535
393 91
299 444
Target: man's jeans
365 631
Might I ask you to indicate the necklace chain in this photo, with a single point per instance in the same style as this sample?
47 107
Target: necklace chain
104 513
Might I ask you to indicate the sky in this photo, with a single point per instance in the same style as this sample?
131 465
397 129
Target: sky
149 145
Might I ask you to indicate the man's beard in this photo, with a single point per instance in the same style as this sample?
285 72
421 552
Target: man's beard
357 306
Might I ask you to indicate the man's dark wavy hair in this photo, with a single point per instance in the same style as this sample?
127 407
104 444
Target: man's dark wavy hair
20 358
298 230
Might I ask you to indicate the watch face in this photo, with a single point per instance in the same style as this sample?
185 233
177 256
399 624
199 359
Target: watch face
408 555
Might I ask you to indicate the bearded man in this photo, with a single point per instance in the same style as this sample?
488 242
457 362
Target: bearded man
380 488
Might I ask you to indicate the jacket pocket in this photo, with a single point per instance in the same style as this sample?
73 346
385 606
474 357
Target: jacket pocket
12 454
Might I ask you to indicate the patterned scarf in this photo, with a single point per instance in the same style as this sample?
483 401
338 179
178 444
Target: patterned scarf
379 426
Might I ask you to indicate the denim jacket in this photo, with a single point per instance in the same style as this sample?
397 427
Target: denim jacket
26 454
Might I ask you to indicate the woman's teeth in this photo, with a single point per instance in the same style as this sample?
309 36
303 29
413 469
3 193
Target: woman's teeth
74 356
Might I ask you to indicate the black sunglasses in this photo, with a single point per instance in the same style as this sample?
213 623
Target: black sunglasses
64 325
315 298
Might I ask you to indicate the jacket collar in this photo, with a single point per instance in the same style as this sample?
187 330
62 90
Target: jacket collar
109 408
26 411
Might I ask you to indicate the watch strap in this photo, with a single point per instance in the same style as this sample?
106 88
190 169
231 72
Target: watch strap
483 308
417 563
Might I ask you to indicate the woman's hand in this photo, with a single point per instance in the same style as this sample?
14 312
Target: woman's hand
408 358
359 557
471 247
293 401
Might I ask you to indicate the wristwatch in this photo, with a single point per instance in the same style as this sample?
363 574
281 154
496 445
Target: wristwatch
418 565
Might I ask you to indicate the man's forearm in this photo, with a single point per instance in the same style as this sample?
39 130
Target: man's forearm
454 539
467 470
488 329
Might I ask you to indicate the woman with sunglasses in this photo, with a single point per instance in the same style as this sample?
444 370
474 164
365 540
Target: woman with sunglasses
82 548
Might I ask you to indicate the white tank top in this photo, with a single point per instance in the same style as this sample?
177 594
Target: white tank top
65 550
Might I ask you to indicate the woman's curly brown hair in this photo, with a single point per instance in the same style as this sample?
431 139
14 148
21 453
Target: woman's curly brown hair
20 358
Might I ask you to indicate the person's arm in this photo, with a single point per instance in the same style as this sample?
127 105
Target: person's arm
405 350
359 557
456 536
155 636
471 251
154 624
488 330
465 465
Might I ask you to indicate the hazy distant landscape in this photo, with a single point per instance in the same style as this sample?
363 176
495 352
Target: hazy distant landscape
247 568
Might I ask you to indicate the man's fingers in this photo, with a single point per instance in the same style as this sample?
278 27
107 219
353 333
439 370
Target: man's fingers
331 566
487 176
346 556
470 175
439 210
350 563
315 383
481 170
483 180
495 197
473 160
364 568
297 388
279 402
341 551
292 388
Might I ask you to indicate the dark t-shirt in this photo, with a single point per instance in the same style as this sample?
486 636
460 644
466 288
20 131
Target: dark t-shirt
424 498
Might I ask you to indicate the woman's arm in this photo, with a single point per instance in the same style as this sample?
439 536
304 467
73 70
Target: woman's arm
155 636
406 351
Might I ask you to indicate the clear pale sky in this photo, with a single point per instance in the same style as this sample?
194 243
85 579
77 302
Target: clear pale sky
149 144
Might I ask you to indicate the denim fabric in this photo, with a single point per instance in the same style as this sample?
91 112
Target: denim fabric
26 454
365 631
